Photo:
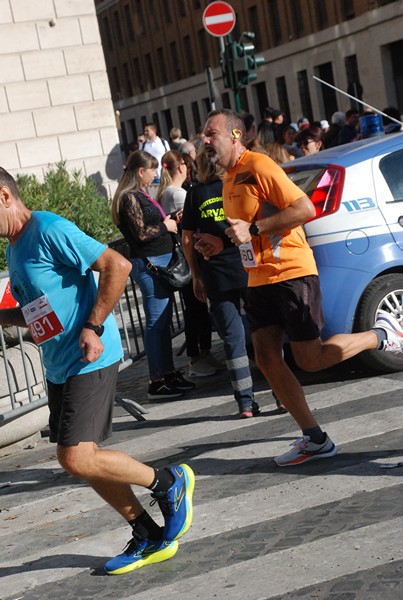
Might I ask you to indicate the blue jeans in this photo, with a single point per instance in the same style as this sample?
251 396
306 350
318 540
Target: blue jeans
157 304
225 310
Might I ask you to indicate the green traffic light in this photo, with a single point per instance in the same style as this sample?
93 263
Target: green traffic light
239 63
244 63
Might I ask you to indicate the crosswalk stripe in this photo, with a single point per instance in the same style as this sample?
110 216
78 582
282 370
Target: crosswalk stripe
187 432
348 430
276 574
273 503
343 393
278 571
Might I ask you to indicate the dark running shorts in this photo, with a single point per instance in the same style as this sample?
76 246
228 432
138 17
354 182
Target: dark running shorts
81 409
294 305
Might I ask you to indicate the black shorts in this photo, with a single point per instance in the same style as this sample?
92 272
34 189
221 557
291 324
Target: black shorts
295 305
81 409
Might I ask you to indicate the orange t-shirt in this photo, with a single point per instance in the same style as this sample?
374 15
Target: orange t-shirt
257 188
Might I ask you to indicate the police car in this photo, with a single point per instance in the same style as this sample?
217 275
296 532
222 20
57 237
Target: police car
357 234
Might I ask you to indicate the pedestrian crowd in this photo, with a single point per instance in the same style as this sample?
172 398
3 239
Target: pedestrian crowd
240 220
305 137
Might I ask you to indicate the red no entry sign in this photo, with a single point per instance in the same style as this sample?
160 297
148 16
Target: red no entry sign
219 18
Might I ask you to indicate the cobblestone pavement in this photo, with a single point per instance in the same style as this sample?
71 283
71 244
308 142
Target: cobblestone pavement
328 530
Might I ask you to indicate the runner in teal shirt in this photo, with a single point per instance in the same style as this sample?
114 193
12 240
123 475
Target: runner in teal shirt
44 261
53 268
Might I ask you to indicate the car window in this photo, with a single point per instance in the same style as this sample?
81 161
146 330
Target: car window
391 167
306 180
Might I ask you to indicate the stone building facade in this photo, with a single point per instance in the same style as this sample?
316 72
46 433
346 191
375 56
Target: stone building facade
55 100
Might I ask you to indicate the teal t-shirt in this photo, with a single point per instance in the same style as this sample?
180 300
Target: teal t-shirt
53 258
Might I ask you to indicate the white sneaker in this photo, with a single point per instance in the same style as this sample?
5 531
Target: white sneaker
303 450
201 368
394 333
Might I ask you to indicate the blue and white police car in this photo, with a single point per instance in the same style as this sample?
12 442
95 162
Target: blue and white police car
357 234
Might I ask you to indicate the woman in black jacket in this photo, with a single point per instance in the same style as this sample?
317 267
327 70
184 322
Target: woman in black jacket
147 229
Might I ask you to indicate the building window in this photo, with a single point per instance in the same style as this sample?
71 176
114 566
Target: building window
156 120
195 115
261 96
206 106
255 27
129 23
202 38
321 12
166 6
118 29
226 100
175 60
325 72
116 81
348 9
127 78
394 52
123 135
304 95
236 32
351 65
182 121
140 16
154 14
274 21
133 129
297 18
181 7
354 87
162 66
150 77
168 119
189 55
283 96
107 31
138 78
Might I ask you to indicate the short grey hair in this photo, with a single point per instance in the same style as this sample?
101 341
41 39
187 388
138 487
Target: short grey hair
338 118
187 147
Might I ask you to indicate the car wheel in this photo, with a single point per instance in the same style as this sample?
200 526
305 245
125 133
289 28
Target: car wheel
384 295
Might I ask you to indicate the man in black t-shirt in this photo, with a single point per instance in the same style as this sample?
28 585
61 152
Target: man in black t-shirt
222 280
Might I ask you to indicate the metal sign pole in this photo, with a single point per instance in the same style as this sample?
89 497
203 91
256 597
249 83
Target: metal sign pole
210 83
357 100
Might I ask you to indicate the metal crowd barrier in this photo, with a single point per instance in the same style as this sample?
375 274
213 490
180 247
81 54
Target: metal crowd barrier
22 377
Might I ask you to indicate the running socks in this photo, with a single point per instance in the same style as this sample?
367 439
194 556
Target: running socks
146 527
381 335
163 480
316 435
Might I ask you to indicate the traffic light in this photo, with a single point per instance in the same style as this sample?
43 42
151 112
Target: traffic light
245 61
227 67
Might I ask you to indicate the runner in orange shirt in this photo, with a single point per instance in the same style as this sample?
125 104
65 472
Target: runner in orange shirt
266 212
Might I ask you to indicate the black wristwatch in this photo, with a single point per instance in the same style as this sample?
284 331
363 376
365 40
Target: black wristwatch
99 329
253 229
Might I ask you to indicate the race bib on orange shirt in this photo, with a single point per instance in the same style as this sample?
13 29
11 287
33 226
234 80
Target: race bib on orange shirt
248 255
41 320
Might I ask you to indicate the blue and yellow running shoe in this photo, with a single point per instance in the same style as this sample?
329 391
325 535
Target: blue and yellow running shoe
176 503
140 552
